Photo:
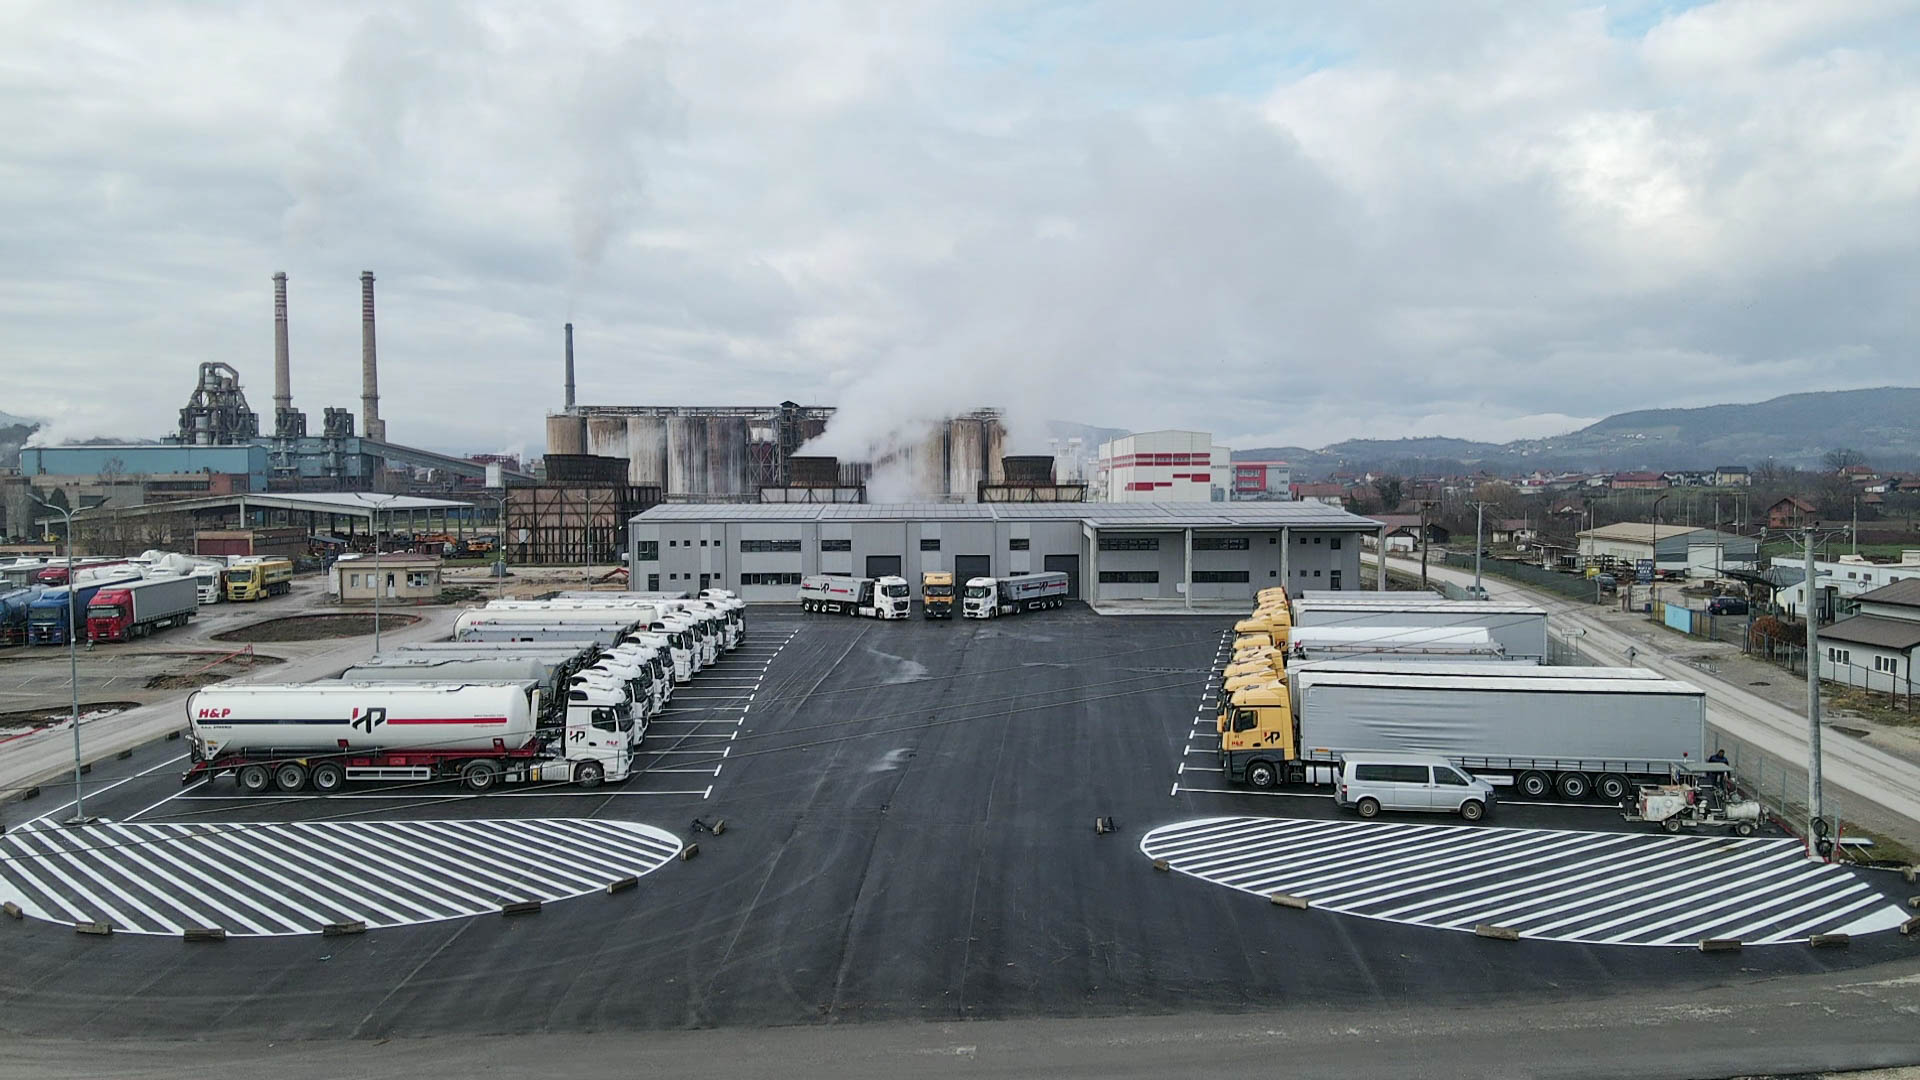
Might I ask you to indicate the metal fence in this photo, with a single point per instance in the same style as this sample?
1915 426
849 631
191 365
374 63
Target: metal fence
1568 585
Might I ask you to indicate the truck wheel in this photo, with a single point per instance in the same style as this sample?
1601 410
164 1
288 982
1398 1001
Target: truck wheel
1369 808
589 774
290 777
1263 775
1534 785
328 777
1672 824
254 779
1473 810
480 775
1575 787
1744 828
1613 787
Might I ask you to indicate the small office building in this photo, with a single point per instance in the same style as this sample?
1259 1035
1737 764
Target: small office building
398 579
1172 552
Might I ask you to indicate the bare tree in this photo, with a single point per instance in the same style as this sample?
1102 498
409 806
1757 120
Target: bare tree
1841 457
1391 489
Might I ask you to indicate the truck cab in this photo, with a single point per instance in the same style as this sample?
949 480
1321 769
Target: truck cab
208 582
936 594
1256 735
892 599
596 699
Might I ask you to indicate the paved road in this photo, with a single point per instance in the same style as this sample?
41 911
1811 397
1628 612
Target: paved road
1598 887
1863 772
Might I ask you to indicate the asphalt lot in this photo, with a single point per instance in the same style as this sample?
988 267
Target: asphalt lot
909 835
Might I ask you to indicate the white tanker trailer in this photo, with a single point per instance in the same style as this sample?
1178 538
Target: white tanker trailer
324 734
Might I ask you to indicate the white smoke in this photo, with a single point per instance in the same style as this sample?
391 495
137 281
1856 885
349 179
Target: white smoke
622 106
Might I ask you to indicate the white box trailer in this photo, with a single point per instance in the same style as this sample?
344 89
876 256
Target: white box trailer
1410 644
1505 669
1579 736
840 594
1519 629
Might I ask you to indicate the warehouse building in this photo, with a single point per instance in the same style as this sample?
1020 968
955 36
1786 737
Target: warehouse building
1683 549
1177 552
1162 467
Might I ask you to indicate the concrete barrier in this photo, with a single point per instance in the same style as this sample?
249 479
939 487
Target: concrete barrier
99 929
1830 941
1288 900
1497 933
204 933
1719 944
13 910
1162 865
689 852
521 907
343 929
1911 926
622 884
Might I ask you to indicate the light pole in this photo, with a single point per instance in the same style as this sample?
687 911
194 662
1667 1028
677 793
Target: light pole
73 670
1816 814
1653 577
379 584
1479 518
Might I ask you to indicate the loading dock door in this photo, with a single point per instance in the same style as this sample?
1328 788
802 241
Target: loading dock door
966 567
883 566
1070 566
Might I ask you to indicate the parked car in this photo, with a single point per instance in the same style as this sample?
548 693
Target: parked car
1726 605
1370 783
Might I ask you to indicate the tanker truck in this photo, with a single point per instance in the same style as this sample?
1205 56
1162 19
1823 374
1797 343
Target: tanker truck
13 613
647 667
583 628
713 629
987 597
323 735
728 608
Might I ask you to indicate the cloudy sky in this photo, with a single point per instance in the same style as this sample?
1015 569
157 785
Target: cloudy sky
1286 223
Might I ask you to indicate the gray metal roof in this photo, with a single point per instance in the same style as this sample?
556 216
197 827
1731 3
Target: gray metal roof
1905 592
1874 630
1270 515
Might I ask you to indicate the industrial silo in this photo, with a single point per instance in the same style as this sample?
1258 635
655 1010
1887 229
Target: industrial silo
686 455
928 461
727 455
607 436
566 434
996 448
647 450
966 445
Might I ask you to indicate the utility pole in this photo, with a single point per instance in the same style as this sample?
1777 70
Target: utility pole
1425 504
1816 823
1653 578
1479 521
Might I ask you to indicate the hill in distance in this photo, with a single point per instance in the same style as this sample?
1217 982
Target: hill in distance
1797 429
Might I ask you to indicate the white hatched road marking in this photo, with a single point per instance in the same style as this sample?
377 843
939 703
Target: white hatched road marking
1607 888
283 878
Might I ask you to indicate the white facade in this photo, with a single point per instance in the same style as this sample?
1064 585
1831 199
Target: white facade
1844 578
1161 466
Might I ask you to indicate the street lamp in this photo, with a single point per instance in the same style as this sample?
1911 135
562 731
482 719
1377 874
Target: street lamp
379 584
73 668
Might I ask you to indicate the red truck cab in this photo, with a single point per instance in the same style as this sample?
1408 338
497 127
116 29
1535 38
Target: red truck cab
110 615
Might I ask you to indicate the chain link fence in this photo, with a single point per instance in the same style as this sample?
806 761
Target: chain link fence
1571 586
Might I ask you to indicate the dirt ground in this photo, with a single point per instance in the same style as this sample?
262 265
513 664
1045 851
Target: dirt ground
313 627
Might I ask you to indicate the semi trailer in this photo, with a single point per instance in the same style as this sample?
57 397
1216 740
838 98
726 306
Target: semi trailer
604 628
725 619
324 735
1519 629
1405 643
839 594
138 608
936 594
51 617
558 683
653 658
259 578
988 597
1581 736
701 633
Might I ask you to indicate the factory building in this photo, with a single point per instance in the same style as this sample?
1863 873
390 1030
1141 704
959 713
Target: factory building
732 453
1169 552
578 515
1262 480
1162 466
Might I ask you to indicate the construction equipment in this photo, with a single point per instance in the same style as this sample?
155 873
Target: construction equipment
1701 795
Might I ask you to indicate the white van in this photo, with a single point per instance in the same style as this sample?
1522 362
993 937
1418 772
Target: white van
1371 783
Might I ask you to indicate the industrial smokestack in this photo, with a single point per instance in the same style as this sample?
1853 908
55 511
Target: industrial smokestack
569 367
370 421
282 373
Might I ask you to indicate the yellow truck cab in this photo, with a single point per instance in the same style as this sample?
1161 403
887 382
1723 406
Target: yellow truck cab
936 594
1277 593
258 580
1252 641
1256 734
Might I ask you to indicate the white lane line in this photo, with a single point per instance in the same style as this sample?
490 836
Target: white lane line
1177 788
195 786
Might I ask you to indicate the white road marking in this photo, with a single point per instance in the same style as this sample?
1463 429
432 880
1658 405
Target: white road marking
1618 888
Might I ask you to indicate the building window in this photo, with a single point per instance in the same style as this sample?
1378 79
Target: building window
1840 656
1888 664
1221 577
1018 543
1220 543
1130 543
1273 573
836 545
673 543
1303 573
1316 573
649 550
653 582
769 579
1129 577
419 579
353 581
929 543
770 545
1317 539
1334 577
1334 543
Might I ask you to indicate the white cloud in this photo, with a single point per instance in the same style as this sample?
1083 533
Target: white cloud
1284 228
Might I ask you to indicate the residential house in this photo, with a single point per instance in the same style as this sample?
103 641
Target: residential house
1791 512
1875 649
1732 476
1637 481
1403 531
1843 582
1328 494
1510 531
1859 474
